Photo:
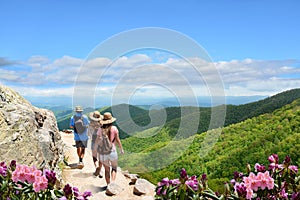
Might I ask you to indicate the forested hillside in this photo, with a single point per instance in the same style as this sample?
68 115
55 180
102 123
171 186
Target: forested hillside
239 113
234 114
249 141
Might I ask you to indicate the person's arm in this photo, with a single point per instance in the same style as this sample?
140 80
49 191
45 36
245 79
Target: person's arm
119 142
72 122
95 149
90 129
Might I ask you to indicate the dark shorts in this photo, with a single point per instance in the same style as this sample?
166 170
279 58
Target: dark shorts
81 144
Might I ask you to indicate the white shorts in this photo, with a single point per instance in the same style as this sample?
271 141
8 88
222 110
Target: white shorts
109 157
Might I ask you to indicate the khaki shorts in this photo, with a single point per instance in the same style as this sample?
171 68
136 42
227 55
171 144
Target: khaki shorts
109 157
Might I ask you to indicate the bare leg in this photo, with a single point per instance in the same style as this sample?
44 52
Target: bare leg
107 173
98 169
114 165
82 152
100 166
95 161
79 152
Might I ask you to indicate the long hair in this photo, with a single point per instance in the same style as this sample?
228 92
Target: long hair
106 129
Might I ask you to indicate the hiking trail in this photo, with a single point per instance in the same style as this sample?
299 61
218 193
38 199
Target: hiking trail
85 180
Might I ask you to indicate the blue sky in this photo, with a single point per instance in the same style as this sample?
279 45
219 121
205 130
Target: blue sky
254 45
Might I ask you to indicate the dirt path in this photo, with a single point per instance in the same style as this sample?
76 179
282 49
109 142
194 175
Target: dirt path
84 179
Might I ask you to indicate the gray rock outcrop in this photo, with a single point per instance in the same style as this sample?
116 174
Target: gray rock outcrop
142 187
28 134
113 189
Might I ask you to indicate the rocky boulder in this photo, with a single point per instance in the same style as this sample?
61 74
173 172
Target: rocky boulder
28 134
143 187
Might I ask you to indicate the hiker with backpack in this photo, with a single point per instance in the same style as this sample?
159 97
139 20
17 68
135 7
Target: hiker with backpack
79 122
108 137
94 125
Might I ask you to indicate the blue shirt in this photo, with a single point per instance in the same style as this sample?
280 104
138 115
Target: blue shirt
83 136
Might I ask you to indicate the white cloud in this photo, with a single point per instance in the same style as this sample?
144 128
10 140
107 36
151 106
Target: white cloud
67 61
38 61
8 76
45 92
138 75
252 77
132 61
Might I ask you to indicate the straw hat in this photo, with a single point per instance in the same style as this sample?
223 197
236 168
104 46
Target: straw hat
107 118
95 116
78 109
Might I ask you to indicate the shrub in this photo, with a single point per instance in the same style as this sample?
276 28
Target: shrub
21 182
278 181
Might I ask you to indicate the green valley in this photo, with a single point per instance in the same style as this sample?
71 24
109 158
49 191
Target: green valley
250 134
250 141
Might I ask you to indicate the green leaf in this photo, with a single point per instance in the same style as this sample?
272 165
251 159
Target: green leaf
221 197
182 195
28 190
191 189
4 185
58 193
212 196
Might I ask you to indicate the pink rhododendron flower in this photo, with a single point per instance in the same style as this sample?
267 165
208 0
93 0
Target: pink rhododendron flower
264 180
3 169
174 182
251 182
273 158
240 188
249 193
283 194
183 174
19 174
87 194
30 178
259 168
165 181
272 166
287 160
41 183
192 182
51 177
76 191
37 172
295 196
31 175
294 169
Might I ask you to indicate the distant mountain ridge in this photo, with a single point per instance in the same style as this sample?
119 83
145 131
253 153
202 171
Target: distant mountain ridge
140 115
65 103
266 105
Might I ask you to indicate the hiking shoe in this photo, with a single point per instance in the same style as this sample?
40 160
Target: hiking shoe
80 165
97 172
